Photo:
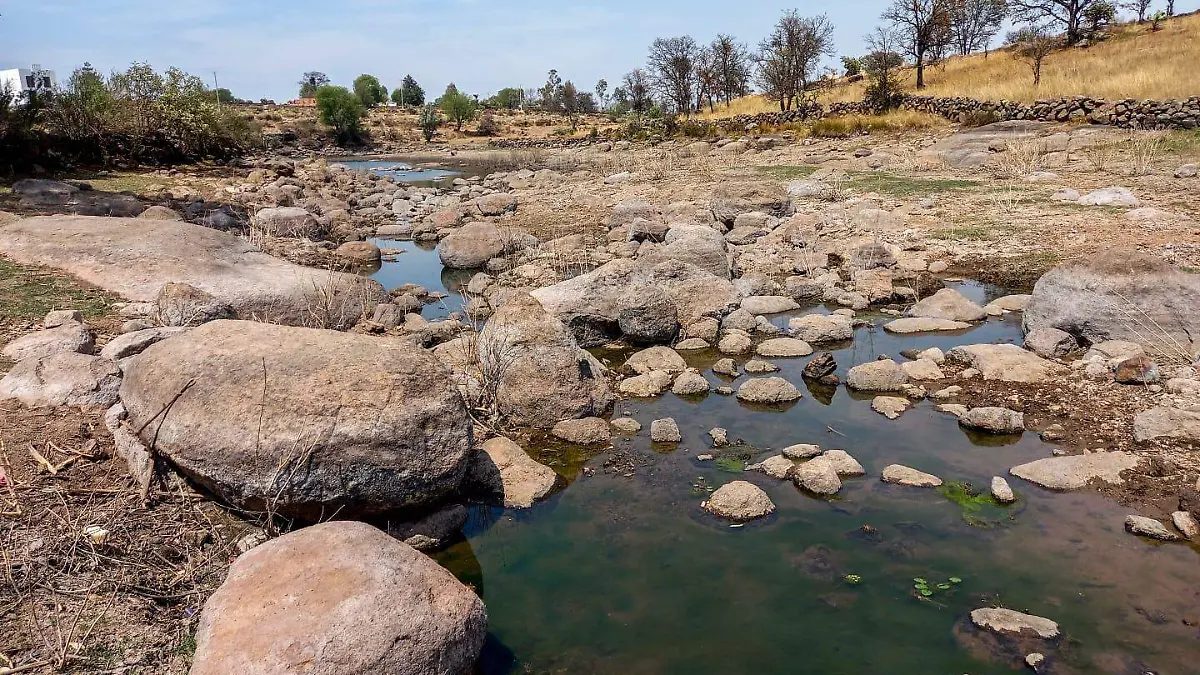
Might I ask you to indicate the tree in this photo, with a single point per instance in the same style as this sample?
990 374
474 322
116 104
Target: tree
789 57
550 93
924 28
224 96
973 23
882 66
636 85
731 67
1034 44
672 66
707 81
368 90
1170 8
851 65
311 82
509 98
1096 18
408 93
1069 14
1139 7
569 101
458 106
428 121
341 109
602 93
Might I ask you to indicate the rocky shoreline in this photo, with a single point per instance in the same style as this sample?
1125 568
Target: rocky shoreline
310 395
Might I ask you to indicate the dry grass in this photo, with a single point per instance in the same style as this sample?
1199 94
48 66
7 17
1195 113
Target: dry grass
897 120
1133 63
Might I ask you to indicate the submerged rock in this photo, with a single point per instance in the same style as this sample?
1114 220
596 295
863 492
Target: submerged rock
768 390
340 598
1149 527
890 407
739 501
502 468
903 475
950 305
882 375
818 476
1007 621
994 420
665 431
1076 471
586 431
1006 363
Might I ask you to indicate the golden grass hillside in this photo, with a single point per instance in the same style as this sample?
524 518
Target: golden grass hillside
1134 63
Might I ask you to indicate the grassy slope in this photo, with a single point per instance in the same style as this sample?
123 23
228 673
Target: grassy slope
1133 63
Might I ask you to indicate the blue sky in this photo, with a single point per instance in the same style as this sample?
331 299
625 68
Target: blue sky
260 49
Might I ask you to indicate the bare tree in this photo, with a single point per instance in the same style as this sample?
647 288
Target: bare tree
731 66
1139 7
923 26
707 83
973 23
672 65
602 94
789 57
636 86
1034 44
1170 7
1067 13
882 66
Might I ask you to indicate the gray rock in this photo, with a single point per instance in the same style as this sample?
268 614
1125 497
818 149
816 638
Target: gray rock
1166 422
63 378
778 467
662 359
994 420
1050 343
1001 491
818 328
1009 622
304 422
626 426
735 342
131 344
720 437
648 385
739 501
545 377
665 431
1149 527
501 468
890 407
357 601
757 367
783 348
768 391
903 475
1004 362
883 375
913 325
73 338
1185 522
948 304
434 532
1076 471
726 367
1187 171
186 305
1092 299
818 476
843 463
646 314
801 451
289 221
692 345
60 317
769 304
471 246
922 370
586 431
1111 196
690 383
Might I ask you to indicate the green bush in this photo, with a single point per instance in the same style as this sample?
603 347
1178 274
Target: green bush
428 121
459 107
337 107
408 93
369 91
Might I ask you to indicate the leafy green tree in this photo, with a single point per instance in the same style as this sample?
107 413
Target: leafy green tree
339 108
458 106
852 66
509 98
569 102
368 90
408 93
311 82
226 96
428 121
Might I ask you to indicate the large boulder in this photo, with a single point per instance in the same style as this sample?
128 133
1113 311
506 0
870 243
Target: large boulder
135 258
590 304
288 221
698 245
739 501
822 328
300 421
1004 362
882 375
340 598
543 375
1073 472
471 246
63 378
645 314
950 305
1119 295
731 200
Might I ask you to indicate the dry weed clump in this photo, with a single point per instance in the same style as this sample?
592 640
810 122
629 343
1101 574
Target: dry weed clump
1021 159
852 125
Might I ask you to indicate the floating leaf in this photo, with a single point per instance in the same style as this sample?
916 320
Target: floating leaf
926 592
955 580
919 580
944 587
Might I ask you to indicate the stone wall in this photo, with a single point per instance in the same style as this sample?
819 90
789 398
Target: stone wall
1126 113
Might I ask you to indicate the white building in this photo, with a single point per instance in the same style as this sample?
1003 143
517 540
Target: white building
22 80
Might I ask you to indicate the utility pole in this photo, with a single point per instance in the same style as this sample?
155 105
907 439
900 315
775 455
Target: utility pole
217 90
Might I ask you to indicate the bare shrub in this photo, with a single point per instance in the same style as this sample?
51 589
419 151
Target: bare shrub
1021 159
1100 157
337 302
1144 150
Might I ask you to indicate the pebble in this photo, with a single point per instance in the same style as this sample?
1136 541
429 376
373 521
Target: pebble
802 451
1034 660
902 475
665 431
1185 522
1001 491
626 425
720 437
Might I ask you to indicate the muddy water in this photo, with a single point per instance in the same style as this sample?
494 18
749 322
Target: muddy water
621 571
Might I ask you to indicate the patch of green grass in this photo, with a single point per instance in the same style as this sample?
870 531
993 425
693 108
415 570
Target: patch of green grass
119 181
787 172
187 646
976 506
29 293
980 232
1181 141
731 463
907 186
